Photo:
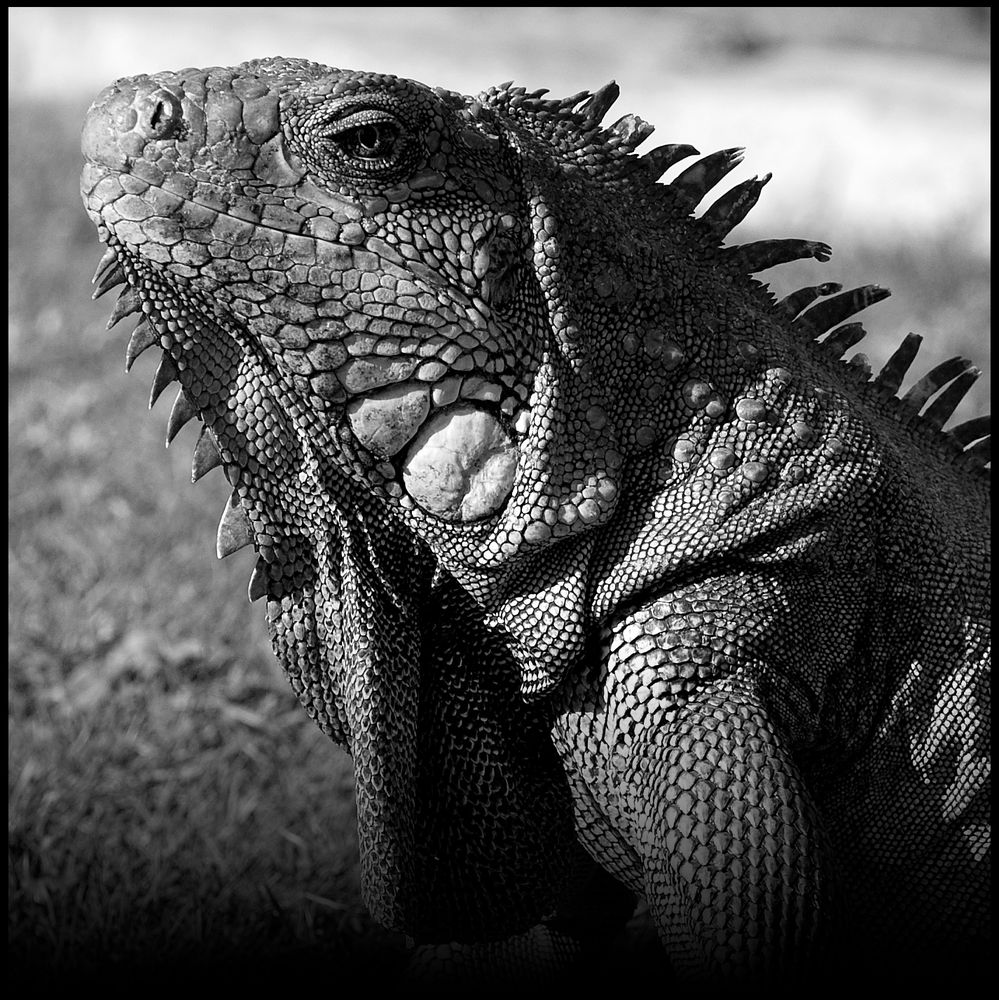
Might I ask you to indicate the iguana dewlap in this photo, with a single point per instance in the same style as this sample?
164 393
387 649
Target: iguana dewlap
568 531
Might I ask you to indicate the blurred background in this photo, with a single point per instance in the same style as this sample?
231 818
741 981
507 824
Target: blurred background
169 803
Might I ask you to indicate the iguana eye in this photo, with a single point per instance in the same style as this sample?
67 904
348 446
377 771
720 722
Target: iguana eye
369 139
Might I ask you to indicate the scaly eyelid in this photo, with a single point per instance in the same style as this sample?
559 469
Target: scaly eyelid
363 116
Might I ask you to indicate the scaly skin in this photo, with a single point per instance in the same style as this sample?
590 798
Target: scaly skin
568 531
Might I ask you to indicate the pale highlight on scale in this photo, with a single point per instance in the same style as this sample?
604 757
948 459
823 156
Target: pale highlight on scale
461 466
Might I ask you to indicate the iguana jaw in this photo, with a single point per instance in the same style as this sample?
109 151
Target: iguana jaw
459 459
452 447
443 452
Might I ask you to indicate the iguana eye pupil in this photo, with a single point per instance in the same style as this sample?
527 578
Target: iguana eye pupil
367 139
373 140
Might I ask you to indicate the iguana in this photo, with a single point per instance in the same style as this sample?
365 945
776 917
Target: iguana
569 532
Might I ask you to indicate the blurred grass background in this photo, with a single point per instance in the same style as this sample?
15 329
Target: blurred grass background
169 804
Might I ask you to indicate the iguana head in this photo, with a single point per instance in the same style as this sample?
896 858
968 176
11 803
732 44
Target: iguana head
394 256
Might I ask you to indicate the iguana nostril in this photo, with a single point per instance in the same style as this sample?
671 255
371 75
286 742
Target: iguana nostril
160 114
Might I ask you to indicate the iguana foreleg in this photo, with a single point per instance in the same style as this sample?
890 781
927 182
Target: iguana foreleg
687 789
728 838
